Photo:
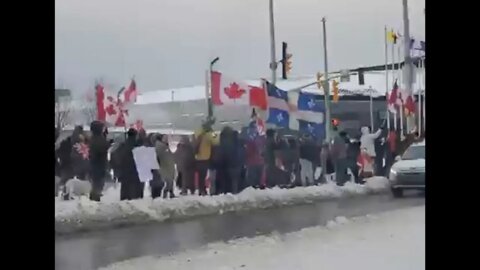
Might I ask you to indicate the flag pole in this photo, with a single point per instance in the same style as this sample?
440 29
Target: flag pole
393 82
173 122
400 77
208 87
326 87
424 95
207 97
386 77
419 87
371 109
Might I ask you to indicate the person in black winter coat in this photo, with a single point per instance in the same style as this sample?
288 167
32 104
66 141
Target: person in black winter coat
292 162
272 155
128 175
230 169
157 183
79 154
98 159
353 151
65 159
308 156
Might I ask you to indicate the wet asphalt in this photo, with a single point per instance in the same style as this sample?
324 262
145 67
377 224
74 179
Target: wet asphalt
96 249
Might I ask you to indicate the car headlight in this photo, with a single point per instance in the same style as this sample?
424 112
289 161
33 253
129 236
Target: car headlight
392 175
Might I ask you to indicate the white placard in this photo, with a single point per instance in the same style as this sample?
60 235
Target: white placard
146 161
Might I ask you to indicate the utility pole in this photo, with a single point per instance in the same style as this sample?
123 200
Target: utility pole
408 78
326 87
273 59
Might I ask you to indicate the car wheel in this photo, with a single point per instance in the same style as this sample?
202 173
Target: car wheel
397 192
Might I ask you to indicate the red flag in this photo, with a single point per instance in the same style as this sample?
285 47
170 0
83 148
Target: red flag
258 97
100 95
130 95
228 91
394 99
409 105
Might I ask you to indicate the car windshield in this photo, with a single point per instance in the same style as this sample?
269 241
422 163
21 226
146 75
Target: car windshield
414 152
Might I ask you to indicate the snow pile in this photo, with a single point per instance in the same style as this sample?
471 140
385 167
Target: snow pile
392 240
82 215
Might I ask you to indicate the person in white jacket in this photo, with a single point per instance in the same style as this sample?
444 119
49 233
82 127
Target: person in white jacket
367 141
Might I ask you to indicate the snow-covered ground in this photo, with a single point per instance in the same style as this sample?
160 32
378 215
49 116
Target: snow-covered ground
388 241
82 214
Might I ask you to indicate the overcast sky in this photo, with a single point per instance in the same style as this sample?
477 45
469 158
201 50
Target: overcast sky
169 43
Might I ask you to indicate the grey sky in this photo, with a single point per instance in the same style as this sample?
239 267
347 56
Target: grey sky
168 43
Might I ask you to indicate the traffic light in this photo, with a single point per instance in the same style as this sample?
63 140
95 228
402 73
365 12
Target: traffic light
319 80
335 91
286 61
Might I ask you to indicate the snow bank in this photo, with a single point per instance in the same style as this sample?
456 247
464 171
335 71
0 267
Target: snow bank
391 240
83 214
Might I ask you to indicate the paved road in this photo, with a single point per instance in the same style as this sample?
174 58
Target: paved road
96 249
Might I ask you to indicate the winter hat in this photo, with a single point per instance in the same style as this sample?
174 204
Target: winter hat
132 133
96 128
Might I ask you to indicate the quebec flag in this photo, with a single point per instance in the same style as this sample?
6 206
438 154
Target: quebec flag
296 111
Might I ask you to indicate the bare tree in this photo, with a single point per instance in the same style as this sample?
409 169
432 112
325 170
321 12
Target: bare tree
63 105
89 111
88 105
62 114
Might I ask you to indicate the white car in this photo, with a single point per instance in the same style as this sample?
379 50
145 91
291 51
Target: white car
408 171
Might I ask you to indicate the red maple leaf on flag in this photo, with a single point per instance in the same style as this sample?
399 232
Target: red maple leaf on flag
83 149
234 91
110 109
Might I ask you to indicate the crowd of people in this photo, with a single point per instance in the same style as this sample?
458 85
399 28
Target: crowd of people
206 163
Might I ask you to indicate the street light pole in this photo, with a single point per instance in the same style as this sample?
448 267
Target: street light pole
273 59
326 87
208 89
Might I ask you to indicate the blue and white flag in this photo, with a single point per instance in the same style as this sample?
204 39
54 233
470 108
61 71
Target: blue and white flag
296 111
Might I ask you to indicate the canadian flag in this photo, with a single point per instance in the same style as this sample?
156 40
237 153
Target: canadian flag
394 99
109 108
228 91
130 95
